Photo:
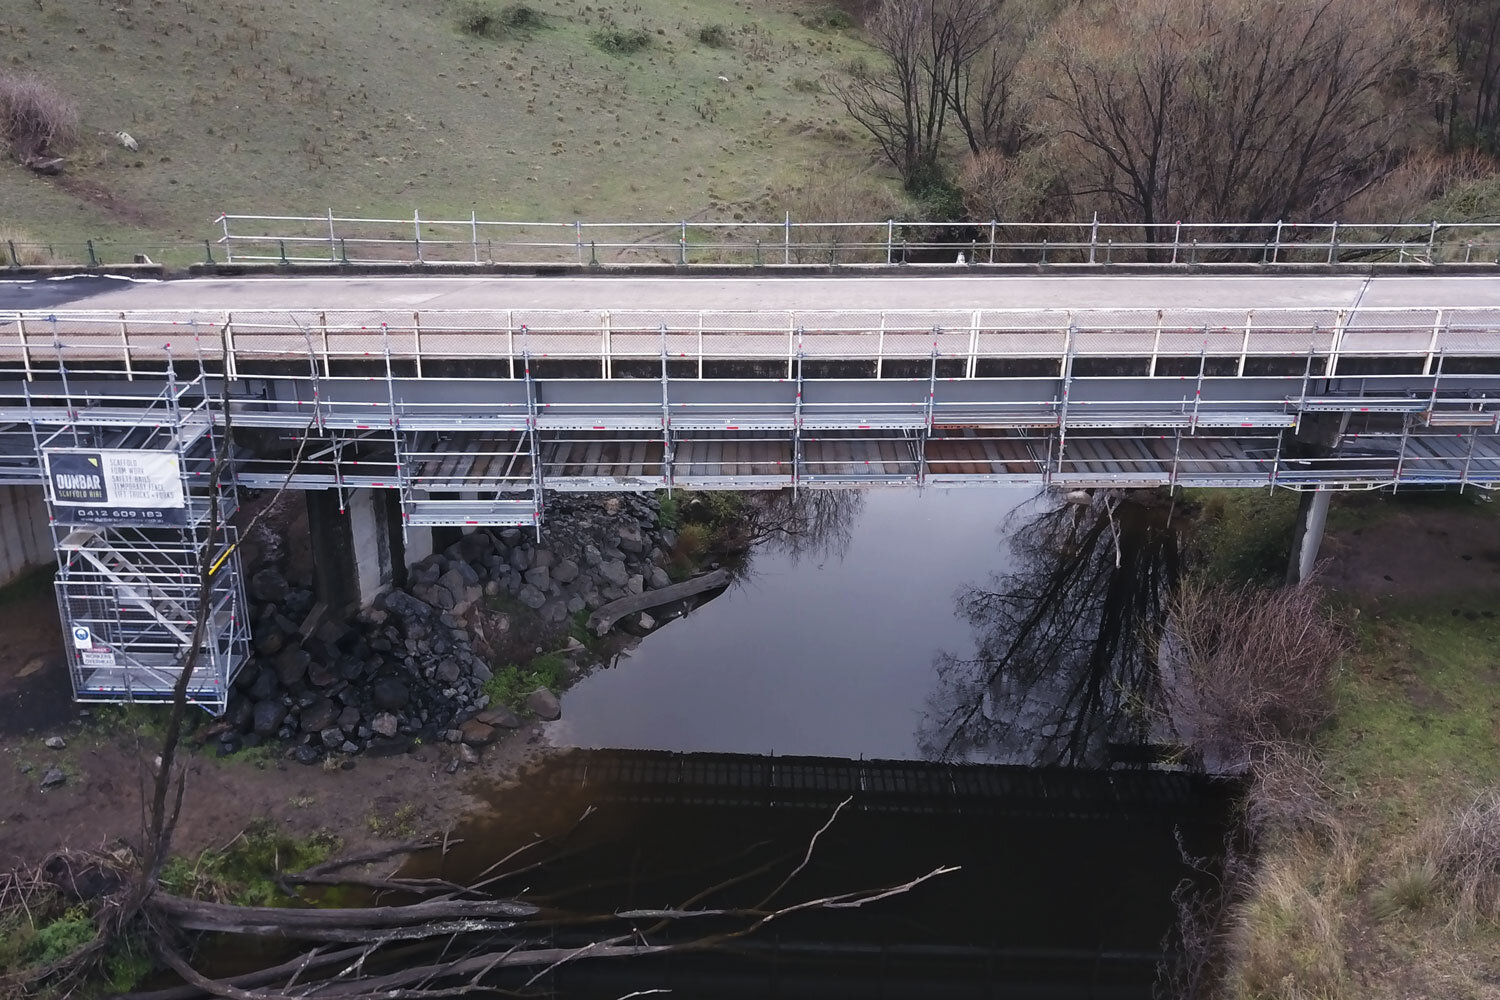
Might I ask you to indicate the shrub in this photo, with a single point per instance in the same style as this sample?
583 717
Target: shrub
804 85
1242 667
509 685
828 19
57 939
35 116
618 42
1467 858
489 19
715 36
245 871
668 513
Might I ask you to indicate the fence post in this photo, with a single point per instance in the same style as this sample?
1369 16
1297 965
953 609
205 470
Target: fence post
332 238
15 261
682 245
578 237
1109 251
833 251
1093 237
1044 250
1176 239
1276 252
992 241
1193 259
228 246
1333 244
416 222
786 240
474 233
593 253
758 261
890 235
282 245
93 258
343 251
1431 240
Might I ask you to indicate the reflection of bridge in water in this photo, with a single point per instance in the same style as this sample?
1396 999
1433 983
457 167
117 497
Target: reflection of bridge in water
425 403
1064 888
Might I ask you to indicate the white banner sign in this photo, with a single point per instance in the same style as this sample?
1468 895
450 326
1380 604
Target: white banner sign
97 658
116 487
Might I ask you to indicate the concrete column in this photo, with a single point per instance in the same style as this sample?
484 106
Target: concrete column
418 544
1312 515
25 542
357 554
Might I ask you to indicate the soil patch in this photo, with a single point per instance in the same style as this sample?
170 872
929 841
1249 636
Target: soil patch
1418 553
97 194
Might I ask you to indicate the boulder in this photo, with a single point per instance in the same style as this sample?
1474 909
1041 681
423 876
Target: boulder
501 717
401 603
614 573
539 577
385 724
658 578
542 558
270 586
630 539
291 665
468 754
349 718
635 584
647 623
448 671
332 737
475 545
531 597
268 642
267 717
390 694
520 558
543 704
476 733
53 777
263 685
319 716
566 571
54 743
321 674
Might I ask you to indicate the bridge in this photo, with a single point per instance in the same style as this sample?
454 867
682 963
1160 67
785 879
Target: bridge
427 402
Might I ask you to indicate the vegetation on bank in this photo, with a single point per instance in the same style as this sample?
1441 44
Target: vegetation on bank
1376 870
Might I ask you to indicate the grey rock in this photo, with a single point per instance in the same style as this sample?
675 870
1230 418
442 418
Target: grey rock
321 674
614 572
520 558
399 602
658 578
476 733
268 717
269 585
54 743
543 704
332 737
291 665
630 539
576 603
591 556
647 622
543 558
263 686
53 777
390 694
268 642
501 717
475 545
510 536
635 584
385 724
566 571
481 672
448 671
539 577
319 716
468 754
349 718
492 588
531 597
442 598
307 755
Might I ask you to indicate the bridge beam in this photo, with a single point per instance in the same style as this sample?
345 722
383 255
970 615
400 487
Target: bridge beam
1312 515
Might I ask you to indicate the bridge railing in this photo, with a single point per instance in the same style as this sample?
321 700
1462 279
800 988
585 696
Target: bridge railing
763 344
331 239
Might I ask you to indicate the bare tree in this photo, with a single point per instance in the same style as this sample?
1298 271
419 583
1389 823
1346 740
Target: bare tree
1473 113
1235 110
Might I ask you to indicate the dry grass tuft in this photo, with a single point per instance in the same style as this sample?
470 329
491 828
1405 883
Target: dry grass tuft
1466 857
35 117
28 253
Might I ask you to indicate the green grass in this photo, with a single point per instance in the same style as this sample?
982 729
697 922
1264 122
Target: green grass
510 684
1243 535
669 512
379 107
245 871
400 825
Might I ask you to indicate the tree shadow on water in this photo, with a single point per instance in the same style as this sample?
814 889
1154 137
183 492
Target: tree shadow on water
1063 665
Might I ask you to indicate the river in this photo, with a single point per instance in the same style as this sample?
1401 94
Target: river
866 662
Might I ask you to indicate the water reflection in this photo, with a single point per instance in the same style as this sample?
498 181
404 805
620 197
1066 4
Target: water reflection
1062 668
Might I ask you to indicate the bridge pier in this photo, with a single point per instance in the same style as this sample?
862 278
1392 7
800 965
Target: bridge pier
357 553
1312 515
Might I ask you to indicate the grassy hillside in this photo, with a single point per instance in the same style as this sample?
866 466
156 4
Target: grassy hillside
382 106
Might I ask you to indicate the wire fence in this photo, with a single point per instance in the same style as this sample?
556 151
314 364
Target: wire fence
330 239
475 241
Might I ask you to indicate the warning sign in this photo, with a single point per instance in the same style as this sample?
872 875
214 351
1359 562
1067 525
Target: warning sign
82 637
116 487
97 658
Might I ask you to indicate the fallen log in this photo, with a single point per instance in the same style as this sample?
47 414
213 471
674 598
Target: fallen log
199 915
603 619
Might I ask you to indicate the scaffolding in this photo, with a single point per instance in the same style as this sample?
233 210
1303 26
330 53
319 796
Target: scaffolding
128 582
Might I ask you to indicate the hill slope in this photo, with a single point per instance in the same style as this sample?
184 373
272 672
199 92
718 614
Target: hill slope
381 106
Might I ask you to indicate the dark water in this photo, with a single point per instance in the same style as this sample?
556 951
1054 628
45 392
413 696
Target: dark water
810 654
950 627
